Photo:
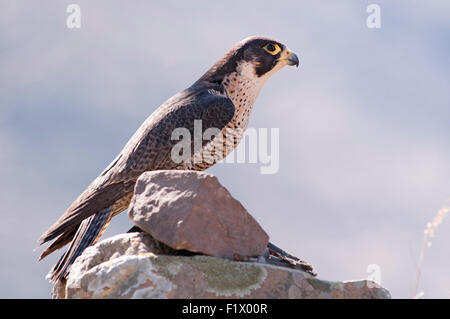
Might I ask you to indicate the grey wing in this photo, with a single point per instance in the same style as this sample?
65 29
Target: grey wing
149 149
154 148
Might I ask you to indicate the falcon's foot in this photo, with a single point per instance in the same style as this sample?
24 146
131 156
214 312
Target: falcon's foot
276 256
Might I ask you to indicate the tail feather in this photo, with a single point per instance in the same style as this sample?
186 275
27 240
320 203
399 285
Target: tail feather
59 242
88 233
88 203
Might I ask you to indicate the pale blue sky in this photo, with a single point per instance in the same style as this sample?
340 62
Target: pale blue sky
364 123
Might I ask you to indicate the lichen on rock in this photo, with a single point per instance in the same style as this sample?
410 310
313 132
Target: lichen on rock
130 266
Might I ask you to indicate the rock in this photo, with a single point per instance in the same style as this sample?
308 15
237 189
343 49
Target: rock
130 266
190 210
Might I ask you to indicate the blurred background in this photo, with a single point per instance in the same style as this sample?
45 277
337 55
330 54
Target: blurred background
364 124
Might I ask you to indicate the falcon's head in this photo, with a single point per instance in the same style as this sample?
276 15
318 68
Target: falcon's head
260 56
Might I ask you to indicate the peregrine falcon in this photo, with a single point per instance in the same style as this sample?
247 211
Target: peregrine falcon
222 99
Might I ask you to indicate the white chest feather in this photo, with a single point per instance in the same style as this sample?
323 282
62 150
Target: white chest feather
242 87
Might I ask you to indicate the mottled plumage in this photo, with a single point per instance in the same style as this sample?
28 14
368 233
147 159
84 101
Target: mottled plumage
222 98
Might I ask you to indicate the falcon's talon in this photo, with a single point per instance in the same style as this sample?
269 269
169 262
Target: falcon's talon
279 257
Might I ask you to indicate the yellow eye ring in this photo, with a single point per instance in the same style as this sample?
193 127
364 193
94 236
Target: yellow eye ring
272 48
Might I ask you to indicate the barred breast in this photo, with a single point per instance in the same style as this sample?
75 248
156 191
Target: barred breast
242 87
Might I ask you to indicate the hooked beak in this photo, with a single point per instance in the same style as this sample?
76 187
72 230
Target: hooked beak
289 57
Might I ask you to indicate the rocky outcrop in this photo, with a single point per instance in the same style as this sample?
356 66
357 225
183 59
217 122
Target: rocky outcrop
134 265
190 210
195 241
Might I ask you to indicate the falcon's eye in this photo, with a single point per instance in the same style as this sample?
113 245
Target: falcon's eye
272 48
